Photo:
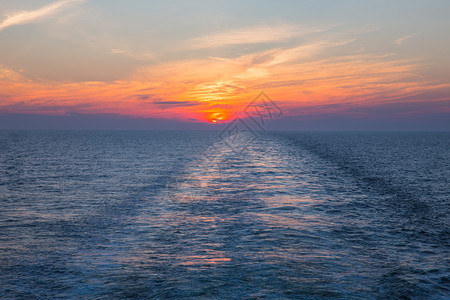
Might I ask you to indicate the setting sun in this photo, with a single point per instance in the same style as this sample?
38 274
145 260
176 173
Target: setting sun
218 117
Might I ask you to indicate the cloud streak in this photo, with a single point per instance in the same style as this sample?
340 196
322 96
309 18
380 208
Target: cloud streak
249 35
34 15
399 41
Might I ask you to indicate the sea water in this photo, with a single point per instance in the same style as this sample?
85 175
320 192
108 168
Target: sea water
179 214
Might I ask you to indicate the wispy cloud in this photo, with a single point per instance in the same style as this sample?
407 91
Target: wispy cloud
399 41
144 56
34 15
250 35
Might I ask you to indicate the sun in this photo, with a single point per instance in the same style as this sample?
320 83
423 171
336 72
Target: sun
218 117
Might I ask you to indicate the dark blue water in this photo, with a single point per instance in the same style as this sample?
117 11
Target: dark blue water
101 214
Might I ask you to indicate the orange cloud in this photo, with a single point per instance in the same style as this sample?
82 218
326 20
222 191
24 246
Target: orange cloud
214 88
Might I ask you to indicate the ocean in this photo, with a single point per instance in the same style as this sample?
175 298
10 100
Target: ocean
196 214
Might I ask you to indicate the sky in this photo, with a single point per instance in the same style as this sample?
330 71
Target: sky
328 65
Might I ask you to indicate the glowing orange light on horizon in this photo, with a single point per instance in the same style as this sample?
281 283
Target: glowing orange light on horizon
218 116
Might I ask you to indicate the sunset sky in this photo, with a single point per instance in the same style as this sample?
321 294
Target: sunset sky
341 64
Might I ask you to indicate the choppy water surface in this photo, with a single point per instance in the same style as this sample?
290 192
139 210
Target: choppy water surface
180 214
